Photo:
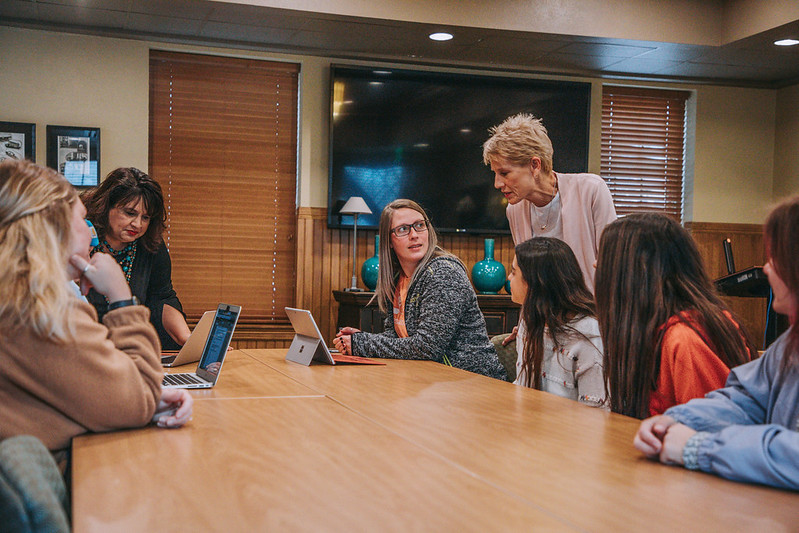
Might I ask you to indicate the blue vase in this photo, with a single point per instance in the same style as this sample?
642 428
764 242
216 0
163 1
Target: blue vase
371 267
507 286
488 275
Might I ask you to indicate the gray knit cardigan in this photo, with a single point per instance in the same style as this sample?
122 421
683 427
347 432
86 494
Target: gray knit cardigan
442 318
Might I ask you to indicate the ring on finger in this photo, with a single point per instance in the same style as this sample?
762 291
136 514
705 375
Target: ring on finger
86 267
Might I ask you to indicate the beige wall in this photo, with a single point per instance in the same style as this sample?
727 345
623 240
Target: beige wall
71 80
55 78
734 154
786 145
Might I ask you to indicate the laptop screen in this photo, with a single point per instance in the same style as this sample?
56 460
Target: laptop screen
219 339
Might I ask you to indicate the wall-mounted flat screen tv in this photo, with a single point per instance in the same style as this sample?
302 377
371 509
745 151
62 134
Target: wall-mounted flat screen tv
419 135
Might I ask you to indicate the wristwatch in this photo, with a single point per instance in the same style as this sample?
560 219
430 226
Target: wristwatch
123 303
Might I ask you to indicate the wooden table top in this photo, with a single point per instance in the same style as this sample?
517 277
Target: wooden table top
243 376
575 461
281 464
411 445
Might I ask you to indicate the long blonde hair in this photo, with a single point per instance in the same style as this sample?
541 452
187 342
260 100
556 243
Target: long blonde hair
389 264
35 221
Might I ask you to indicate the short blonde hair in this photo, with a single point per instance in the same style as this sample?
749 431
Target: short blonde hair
35 223
518 139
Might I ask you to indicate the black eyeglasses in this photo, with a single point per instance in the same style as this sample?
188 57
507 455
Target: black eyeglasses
404 230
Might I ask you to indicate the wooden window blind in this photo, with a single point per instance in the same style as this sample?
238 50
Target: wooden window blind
223 146
643 149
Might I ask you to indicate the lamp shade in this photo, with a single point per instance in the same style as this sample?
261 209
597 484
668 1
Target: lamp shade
355 206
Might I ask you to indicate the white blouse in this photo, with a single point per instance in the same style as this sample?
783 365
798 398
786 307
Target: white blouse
574 370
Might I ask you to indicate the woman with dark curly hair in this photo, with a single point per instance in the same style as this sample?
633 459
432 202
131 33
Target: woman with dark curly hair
127 209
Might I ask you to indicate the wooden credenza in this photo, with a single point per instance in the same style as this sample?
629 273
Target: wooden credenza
355 310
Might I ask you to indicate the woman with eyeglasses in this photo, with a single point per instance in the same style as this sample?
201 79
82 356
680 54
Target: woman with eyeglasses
430 304
63 372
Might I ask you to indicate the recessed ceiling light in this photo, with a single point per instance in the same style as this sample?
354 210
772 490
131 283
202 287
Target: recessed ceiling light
441 36
382 72
786 42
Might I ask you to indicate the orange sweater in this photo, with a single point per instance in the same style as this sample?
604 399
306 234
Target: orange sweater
688 367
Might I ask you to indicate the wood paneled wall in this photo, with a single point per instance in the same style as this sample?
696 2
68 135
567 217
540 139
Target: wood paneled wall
324 263
748 250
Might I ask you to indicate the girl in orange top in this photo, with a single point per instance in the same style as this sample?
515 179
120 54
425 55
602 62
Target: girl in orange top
667 335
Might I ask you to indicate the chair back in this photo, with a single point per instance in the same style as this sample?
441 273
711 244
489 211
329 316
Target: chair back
507 355
33 495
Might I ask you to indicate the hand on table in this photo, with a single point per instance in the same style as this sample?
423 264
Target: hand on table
343 340
174 409
650 435
676 438
663 438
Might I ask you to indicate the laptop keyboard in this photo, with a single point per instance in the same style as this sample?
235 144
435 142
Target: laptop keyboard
181 379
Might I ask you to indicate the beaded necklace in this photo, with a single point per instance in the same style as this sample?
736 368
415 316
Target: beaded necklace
124 257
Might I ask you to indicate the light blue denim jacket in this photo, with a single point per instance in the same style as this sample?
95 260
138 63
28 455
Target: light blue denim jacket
749 430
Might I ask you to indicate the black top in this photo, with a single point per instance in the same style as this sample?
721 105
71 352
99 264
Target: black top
151 283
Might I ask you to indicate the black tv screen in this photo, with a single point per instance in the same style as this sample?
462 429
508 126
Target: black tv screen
419 135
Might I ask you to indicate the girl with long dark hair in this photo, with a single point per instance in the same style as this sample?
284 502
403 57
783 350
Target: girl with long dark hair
667 335
559 347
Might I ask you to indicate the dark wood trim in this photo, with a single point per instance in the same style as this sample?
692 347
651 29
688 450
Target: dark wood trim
723 227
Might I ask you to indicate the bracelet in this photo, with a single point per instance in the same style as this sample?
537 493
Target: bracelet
123 303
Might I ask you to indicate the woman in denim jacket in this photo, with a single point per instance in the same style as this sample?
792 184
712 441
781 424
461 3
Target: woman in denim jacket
748 430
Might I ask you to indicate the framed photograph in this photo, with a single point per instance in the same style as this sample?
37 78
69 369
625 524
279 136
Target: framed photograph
75 153
17 141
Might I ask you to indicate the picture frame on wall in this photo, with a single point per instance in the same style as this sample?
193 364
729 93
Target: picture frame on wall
17 141
75 153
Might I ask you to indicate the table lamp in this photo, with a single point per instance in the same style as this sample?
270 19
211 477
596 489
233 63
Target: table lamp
355 206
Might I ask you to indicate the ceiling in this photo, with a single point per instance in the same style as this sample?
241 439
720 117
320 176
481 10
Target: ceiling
752 62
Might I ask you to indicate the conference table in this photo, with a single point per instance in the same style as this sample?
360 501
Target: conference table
405 446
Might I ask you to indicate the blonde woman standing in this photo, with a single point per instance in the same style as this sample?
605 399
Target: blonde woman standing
574 208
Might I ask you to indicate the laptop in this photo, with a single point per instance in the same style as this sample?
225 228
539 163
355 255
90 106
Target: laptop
214 351
193 349
308 344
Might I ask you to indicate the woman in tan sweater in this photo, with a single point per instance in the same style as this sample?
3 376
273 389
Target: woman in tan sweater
63 373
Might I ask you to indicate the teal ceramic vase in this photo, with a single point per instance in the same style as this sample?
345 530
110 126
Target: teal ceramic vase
371 267
488 275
